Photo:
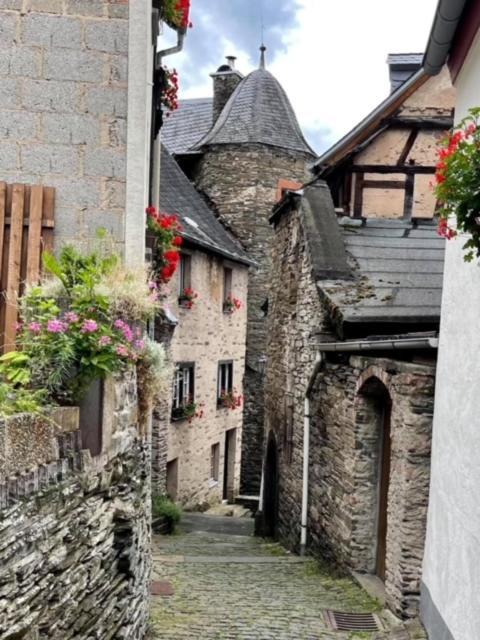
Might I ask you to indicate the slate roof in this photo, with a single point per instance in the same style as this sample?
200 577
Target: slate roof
200 226
402 66
398 270
187 125
258 111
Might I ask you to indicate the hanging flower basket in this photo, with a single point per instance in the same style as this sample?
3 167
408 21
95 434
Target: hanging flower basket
458 184
165 229
176 13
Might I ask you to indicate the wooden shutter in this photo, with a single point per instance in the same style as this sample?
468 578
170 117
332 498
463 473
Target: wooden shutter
26 229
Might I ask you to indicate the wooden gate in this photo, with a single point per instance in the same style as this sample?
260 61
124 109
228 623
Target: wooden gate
26 229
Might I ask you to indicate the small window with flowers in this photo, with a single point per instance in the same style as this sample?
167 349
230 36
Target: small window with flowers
227 396
186 295
184 406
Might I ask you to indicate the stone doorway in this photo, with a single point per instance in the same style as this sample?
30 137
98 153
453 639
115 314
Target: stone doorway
172 479
375 411
229 465
270 489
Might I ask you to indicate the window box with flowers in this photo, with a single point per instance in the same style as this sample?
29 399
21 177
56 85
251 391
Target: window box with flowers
231 304
187 298
458 184
230 400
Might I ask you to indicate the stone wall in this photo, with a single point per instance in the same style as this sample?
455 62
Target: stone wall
205 335
75 536
345 434
241 182
63 107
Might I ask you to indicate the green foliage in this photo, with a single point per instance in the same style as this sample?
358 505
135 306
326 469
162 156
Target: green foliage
163 507
458 183
78 329
17 400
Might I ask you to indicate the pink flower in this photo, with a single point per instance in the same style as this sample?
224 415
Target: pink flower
56 326
139 345
122 351
35 327
89 326
105 341
71 317
119 324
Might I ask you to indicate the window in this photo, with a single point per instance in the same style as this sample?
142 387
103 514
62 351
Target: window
225 380
215 462
227 283
185 281
183 390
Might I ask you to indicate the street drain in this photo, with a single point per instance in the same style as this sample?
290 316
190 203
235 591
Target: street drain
341 621
161 588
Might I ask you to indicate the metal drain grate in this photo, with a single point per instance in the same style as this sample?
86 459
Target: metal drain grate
341 621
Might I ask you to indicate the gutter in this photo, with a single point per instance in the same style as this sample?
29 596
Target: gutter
376 114
157 145
306 453
354 346
447 18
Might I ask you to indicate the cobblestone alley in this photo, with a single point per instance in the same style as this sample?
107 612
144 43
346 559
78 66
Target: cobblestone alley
228 585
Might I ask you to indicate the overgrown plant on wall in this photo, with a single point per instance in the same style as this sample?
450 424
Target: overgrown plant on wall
86 321
458 184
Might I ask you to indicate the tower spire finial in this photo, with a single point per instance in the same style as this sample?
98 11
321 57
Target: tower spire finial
263 48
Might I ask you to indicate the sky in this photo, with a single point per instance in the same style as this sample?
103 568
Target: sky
329 55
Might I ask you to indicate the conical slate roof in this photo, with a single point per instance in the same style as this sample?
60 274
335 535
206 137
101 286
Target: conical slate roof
258 111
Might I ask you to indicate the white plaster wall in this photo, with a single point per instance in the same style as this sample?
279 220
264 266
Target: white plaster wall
452 555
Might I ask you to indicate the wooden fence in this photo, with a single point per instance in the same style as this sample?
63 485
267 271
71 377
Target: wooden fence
26 229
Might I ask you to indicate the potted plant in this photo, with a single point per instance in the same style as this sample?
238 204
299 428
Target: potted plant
230 400
231 304
187 411
176 13
458 184
187 298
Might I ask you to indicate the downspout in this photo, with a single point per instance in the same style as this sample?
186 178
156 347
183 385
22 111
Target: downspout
157 144
306 452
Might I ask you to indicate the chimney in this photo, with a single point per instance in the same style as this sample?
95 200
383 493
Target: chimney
225 80
401 67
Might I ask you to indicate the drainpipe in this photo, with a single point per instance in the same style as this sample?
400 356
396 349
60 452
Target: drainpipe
306 452
157 145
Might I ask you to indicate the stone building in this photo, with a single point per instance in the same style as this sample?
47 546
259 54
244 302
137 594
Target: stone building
207 349
75 110
75 119
353 320
240 148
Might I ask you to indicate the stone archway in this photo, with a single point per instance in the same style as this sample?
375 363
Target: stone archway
374 409
270 488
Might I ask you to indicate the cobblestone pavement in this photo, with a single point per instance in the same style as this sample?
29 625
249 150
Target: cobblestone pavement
229 585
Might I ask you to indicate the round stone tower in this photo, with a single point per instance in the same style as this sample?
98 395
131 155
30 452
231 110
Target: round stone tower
254 146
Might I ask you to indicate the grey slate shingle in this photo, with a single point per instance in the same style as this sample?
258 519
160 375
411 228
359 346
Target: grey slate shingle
398 272
200 226
187 125
258 111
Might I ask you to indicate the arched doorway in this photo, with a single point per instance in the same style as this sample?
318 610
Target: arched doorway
270 488
376 416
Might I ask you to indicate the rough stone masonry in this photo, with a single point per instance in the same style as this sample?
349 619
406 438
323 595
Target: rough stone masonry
63 107
75 536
